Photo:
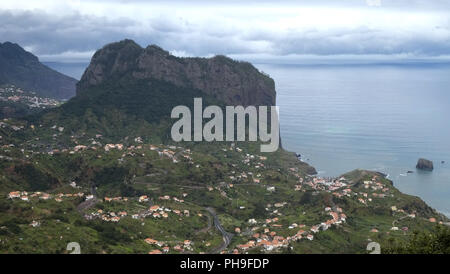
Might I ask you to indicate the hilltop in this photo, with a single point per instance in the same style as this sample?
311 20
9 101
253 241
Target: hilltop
232 82
23 69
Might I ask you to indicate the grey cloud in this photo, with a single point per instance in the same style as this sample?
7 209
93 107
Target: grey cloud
411 4
362 41
49 34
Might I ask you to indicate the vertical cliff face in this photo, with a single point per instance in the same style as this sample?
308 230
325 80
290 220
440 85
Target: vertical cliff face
233 82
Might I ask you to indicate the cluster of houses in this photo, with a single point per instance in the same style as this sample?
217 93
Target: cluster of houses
274 210
154 211
109 147
115 199
145 198
269 240
339 187
254 160
12 93
168 198
250 160
171 153
243 176
25 196
330 185
180 247
106 216
373 186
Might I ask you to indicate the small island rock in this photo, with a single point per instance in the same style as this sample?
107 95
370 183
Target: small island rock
425 164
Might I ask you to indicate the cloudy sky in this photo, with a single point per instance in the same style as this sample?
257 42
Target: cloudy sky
71 30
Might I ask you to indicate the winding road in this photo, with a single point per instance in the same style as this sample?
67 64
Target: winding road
226 236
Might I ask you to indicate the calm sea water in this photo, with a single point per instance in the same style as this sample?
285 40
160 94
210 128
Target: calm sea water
74 70
376 117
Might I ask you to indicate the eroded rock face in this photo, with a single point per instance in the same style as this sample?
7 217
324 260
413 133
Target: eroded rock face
425 164
233 82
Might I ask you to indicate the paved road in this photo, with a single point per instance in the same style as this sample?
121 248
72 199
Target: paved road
226 236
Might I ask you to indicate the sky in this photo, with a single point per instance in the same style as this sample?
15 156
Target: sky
283 30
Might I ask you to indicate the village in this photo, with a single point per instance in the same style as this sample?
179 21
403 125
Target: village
245 170
11 93
269 240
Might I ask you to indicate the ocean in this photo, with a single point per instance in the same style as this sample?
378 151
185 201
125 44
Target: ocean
74 70
377 117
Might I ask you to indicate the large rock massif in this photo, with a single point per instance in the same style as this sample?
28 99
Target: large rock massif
233 82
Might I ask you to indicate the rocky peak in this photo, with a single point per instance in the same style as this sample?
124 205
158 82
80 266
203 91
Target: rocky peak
234 82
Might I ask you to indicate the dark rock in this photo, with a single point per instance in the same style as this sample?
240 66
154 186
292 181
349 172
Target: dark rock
425 164
410 171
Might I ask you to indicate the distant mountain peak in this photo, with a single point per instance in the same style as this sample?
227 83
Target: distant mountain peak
23 69
12 46
9 51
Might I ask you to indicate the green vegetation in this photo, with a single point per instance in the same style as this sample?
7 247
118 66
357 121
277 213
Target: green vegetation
211 176
422 242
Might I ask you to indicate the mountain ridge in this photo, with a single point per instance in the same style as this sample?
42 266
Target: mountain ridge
233 82
23 69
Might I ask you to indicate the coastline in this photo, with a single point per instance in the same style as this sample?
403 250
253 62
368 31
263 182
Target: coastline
384 175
